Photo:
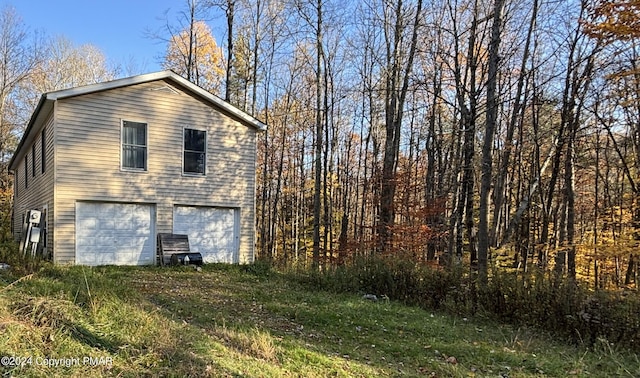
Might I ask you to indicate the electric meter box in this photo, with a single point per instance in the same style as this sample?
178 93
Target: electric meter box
34 216
35 235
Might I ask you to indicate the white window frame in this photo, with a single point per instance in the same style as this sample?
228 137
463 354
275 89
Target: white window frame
206 152
146 146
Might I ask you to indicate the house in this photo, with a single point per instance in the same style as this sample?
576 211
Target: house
111 165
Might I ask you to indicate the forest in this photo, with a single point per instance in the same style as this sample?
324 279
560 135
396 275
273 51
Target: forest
487 134
484 133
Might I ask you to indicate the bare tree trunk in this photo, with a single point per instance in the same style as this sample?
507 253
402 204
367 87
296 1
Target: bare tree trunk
468 114
277 193
397 84
487 148
524 203
569 197
256 49
596 211
230 13
319 140
192 43
571 114
515 113
431 146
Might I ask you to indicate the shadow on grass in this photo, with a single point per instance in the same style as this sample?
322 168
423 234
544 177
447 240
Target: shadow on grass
230 321
75 312
266 321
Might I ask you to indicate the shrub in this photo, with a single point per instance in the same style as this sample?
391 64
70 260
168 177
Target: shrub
20 263
260 268
544 301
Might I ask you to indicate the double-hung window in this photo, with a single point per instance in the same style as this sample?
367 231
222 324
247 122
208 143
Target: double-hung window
134 146
43 150
33 160
195 152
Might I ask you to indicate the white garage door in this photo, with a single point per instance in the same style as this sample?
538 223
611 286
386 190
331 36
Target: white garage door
114 234
212 231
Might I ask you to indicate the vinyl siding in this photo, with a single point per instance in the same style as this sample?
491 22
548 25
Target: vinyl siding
39 192
88 134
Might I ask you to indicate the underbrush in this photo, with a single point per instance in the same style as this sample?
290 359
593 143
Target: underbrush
19 263
253 321
560 306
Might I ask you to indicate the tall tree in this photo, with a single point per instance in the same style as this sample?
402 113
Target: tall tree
229 9
487 147
62 65
399 59
319 130
18 57
465 76
505 161
192 50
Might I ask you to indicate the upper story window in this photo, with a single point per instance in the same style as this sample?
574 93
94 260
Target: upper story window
26 171
33 160
134 145
43 150
195 152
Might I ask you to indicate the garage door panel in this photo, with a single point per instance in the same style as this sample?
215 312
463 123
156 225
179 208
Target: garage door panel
106 258
141 223
211 231
105 224
86 224
139 218
210 227
114 234
123 224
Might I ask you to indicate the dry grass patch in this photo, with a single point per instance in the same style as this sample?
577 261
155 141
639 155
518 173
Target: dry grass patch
44 312
228 322
255 343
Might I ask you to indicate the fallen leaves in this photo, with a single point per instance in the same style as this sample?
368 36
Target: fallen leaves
451 360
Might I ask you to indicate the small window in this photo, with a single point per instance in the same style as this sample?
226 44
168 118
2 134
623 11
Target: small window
195 151
26 171
134 145
43 150
33 160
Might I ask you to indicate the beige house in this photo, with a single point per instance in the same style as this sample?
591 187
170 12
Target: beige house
111 165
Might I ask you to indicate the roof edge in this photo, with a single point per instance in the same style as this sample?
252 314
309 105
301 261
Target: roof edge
154 76
34 117
51 97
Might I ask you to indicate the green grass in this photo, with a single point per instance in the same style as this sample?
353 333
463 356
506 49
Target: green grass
237 322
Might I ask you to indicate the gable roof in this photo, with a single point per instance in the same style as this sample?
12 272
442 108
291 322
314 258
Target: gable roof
45 105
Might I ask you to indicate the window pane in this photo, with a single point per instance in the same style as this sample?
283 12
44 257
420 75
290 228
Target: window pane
134 157
134 145
43 152
194 140
127 157
134 133
33 160
195 151
194 162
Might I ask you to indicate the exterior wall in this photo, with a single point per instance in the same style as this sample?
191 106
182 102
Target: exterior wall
89 167
39 192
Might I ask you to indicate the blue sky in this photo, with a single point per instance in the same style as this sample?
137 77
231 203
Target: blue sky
117 27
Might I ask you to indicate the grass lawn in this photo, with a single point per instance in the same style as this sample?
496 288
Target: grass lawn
226 321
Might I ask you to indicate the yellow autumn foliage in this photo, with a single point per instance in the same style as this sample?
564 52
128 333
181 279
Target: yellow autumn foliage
614 20
194 54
